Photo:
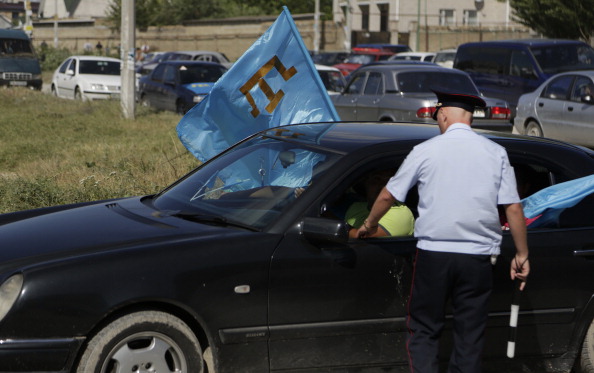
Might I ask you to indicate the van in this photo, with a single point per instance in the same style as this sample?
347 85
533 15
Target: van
19 65
507 69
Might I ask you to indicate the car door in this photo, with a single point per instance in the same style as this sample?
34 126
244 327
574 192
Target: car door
346 103
551 107
339 304
68 79
578 114
555 307
367 107
60 77
168 94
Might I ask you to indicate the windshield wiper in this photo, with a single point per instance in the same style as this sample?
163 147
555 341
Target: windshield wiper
211 219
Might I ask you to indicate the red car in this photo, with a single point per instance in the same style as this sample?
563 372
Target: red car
362 56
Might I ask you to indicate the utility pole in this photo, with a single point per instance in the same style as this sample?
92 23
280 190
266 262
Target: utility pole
56 24
127 52
316 41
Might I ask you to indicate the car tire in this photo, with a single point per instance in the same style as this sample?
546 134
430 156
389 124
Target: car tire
54 90
143 341
585 362
534 129
144 101
180 108
78 94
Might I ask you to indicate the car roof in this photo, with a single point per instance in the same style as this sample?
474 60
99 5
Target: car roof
526 42
95 58
424 66
325 68
348 137
189 62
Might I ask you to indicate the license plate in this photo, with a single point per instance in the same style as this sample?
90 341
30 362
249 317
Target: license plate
479 113
18 82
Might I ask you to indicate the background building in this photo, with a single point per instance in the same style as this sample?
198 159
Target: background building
422 24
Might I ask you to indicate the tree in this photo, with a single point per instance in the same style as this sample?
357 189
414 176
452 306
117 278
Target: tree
174 12
570 19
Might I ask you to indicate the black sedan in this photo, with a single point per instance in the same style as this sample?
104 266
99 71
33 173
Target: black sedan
231 270
178 85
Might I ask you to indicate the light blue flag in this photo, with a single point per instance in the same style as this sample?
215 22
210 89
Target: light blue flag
552 201
273 84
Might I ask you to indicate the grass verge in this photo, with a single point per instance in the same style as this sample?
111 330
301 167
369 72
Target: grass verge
56 151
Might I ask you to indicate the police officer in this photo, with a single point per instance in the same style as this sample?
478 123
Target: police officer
462 177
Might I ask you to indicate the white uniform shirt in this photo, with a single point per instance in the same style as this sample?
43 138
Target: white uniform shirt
461 178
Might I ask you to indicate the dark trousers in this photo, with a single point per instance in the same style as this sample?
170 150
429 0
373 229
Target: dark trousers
466 280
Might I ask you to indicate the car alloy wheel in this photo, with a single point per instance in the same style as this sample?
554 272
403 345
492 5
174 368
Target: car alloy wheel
148 341
533 129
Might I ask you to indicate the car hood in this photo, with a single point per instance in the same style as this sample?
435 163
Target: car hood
100 227
20 64
199 88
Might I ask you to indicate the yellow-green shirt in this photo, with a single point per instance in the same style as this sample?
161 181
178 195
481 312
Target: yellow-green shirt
398 221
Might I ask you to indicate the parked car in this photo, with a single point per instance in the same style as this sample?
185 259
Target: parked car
394 92
360 57
204 56
561 108
445 57
332 78
394 48
329 58
228 263
178 85
19 66
507 69
413 56
87 78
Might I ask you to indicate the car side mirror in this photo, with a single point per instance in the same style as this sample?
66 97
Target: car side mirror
70 72
169 82
324 231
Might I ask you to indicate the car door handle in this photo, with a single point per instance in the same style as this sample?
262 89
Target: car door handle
570 108
540 104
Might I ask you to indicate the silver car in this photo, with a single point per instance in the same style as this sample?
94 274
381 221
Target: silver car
561 108
403 92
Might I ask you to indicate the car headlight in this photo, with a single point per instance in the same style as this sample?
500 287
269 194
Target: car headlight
9 292
98 87
199 98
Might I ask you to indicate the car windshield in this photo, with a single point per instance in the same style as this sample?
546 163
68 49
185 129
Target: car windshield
425 81
200 73
557 58
360 59
10 48
252 183
99 67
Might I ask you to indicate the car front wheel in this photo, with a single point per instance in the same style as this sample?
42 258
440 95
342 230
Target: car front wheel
148 341
533 129
78 94
586 361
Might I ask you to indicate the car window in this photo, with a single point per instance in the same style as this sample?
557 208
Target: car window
521 65
489 60
170 73
559 88
375 84
200 74
64 66
252 183
424 81
356 85
158 73
556 58
583 87
99 67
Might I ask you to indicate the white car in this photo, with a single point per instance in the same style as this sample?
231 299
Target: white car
87 78
413 56
332 78
445 57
